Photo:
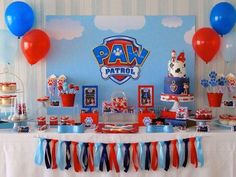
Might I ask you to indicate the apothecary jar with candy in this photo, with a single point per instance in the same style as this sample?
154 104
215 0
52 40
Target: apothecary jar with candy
12 104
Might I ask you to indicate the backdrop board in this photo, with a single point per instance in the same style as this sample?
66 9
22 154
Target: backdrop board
118 52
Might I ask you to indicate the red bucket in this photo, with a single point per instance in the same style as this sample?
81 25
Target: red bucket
214 99
68 100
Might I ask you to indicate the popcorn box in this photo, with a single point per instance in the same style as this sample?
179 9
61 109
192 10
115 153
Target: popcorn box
145 118
90 119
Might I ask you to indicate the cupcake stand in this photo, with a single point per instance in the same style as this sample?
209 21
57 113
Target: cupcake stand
12 107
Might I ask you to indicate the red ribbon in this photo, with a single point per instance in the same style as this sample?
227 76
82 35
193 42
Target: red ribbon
154 159
175 161
91 157
77 166
54 160
135 158
112 157
193 151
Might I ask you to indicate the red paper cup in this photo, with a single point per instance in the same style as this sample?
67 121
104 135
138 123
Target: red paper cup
41 121
53 120
68 99
214 99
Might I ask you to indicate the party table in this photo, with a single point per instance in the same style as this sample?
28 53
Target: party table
17 153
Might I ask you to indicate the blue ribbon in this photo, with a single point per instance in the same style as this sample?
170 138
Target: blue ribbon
81 150
38 157
68 155
60 155
200 157
159 129
47 155
120 155
167 160
97 155
161 157
127 157
71 128
186 152
142 155
148 156
85 156
181 152
104 158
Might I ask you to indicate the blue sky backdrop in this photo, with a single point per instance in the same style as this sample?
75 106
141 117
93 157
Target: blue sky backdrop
74 37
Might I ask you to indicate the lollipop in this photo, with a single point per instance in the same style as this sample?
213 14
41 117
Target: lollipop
71 86
60 89
76 88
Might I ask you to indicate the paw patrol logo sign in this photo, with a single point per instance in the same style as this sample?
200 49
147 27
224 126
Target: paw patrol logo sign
120 58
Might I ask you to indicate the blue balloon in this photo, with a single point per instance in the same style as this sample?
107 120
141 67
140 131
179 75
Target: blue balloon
228 47
223 17
8 47
19 18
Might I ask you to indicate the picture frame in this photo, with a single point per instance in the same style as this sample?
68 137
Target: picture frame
146 96
90 96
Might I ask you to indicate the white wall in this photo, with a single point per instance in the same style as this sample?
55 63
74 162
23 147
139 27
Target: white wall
34 76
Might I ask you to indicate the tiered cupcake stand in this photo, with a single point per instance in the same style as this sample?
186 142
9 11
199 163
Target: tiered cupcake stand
8 111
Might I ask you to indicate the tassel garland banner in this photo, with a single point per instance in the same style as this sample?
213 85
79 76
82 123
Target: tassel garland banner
89 156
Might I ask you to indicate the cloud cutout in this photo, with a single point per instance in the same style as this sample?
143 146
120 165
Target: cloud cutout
119 24
172 22
64 28
189 35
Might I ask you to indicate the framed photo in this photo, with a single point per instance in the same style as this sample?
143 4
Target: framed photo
90 96
146 96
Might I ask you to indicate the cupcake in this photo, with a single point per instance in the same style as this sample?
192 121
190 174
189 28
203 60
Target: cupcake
232 120
8 87
224 119
53 120
41 120
7 100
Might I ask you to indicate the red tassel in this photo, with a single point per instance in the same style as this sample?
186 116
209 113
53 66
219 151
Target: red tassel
77 166
135 158
112 157
54 160
91 157
154 159
193 151
175 155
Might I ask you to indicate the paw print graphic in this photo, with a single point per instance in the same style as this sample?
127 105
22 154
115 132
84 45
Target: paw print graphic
117 52
89 121
147 120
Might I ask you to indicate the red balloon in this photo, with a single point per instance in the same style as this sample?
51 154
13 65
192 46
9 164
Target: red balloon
35 45
206 43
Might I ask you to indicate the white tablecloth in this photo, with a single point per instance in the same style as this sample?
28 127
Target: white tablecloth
17 154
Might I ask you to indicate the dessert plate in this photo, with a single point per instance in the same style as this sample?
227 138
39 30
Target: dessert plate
217 122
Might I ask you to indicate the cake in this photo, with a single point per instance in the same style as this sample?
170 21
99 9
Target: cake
8 87
176 82
7 100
